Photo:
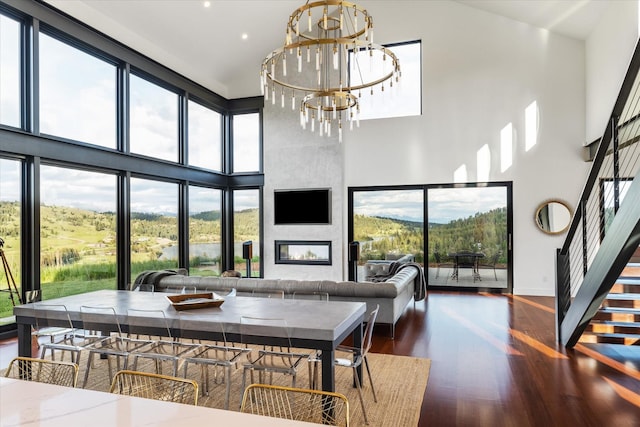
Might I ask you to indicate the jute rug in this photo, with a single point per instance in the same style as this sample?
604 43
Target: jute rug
400 384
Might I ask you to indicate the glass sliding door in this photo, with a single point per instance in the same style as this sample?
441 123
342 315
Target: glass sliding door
388 224
468 237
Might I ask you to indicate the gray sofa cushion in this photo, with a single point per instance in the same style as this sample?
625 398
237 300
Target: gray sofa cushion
391 296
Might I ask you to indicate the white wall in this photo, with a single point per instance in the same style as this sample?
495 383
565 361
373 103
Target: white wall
480 73
609 49
295 159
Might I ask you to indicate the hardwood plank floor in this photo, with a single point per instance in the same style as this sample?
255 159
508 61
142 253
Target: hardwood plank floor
495 362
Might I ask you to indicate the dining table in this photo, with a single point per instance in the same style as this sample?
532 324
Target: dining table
315 325
466 259
30 403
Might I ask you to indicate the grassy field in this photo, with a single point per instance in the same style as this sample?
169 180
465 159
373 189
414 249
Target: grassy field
78 247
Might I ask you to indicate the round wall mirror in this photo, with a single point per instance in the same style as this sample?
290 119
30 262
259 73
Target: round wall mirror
553 217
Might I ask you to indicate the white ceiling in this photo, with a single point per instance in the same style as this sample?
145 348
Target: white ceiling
186 36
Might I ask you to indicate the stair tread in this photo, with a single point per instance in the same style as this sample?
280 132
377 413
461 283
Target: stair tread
620 310
628 280
624 296
612 334
616 323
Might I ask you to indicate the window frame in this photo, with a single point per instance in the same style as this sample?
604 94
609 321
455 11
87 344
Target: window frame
35 149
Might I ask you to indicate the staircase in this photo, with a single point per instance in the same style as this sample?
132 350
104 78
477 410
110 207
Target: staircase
617 321
598 266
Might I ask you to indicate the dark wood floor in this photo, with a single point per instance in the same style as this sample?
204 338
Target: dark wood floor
495 362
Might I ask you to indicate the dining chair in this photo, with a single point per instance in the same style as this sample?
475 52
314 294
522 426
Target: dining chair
314 406
217 355
270 359
144 287
43 371
315 356
442 261
275 294
180 290
155 386
106 344
165 347
491 263
52 321
356 357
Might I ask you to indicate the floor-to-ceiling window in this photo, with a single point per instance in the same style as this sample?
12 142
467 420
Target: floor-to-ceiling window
110 144
154 226
77 231
246 228
205 231
10 213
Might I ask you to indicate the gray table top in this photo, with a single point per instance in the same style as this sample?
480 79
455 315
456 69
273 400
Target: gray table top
306 319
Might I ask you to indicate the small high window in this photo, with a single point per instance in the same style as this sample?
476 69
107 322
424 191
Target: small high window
405 97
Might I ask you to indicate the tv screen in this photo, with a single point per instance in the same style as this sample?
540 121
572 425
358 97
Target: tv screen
302 206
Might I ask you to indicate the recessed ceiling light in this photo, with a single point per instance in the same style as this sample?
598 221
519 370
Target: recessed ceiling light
207 3
245 36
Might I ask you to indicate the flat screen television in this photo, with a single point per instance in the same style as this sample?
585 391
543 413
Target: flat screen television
302 206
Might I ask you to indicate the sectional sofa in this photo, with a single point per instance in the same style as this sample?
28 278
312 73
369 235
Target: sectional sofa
392 295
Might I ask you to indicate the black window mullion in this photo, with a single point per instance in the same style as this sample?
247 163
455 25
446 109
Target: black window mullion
30 223
123 230
122 108
183 225
30 82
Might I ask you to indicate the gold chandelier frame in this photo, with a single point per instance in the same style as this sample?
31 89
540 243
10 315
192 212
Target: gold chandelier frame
336 38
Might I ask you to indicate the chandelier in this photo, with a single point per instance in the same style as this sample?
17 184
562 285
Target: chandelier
327 60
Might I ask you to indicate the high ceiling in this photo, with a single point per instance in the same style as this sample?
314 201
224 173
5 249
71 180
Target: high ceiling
206 43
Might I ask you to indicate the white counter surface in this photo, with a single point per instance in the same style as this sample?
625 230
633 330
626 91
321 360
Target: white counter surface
26 403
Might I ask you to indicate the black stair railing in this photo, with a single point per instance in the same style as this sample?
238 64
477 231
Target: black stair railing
604 229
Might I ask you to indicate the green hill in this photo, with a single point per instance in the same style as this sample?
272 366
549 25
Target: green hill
379 236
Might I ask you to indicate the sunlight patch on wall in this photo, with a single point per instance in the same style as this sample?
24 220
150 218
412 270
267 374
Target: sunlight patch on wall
506 147
531 126
460 174
483 160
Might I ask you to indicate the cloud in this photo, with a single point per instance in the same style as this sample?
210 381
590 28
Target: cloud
9 180
400 204
79 189
446 204
204 200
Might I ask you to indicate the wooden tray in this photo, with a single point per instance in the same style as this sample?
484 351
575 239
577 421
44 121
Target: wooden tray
192 301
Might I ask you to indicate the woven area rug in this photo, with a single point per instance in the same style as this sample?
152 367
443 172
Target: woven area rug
400 384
